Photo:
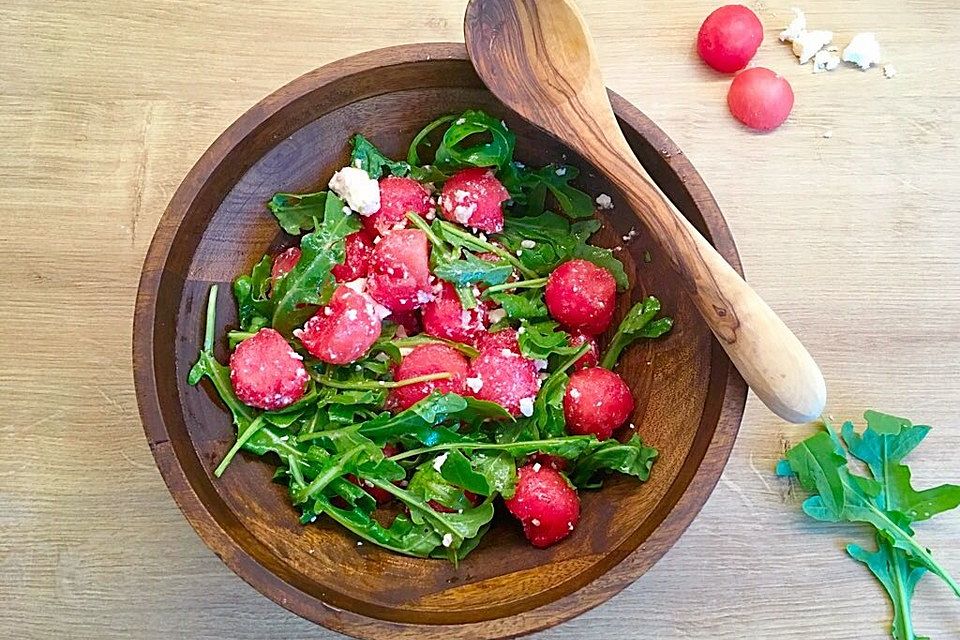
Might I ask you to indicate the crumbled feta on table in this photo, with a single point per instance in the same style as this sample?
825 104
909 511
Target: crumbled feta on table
863 51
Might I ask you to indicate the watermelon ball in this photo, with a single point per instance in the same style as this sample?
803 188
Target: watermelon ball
399 276
729 38
592 356
398 196
760 99
503 339
545 503
344 329
597 401
423 360
356 261
382 496
266 372
500 374
444 317
581 296
474 198
284 262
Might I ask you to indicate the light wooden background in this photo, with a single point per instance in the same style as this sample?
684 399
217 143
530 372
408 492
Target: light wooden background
105 105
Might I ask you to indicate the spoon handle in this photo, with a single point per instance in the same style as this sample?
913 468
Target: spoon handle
768 355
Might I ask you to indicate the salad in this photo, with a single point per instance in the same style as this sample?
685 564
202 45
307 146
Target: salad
426 350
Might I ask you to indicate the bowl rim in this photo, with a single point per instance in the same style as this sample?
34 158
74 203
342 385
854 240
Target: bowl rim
306 605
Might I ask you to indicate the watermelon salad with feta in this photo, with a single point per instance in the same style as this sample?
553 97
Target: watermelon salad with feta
436 342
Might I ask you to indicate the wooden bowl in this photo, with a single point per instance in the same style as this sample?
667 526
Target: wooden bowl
689 398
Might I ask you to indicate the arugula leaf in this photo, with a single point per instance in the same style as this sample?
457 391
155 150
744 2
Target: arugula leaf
632 457
310 283
886 501
471 270
528 305
638 323
499 469
254 306
475 139
365 155
529 187
548 418
456 469
296 212
539 340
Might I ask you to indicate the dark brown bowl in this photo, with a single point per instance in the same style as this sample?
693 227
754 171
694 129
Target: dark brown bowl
689 398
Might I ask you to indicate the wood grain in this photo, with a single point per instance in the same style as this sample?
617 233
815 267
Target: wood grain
106 106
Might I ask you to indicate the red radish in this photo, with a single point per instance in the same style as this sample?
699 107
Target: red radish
284 262
589 359
581 296
399 271
382 496
473 498
445 317
545 503
760 99
474 197
398 196
729 38
424 360
500 374
356 262
266 372
597 401
342 331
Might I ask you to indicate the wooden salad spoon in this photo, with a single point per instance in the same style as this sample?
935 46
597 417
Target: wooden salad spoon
537 57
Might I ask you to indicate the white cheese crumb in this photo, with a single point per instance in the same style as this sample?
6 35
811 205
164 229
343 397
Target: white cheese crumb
795 28
630 236
439 460
540 364
561 171
528 244
381 311
506 353
863 51
526 406
474 384
405 351
889 71
535 522
575 393
496 315
825 60
423 297
357 285
604 201
351 314
447 540
358 189
359 543
809 43
827 134
537 467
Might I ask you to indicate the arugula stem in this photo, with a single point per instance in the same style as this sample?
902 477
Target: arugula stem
295 470
413 158
535 283
241 440
482 245
533 445
382 384
327 476
569 362
415 341
211 319
438 244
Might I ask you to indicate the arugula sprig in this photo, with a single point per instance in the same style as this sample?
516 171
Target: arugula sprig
640 322
886 500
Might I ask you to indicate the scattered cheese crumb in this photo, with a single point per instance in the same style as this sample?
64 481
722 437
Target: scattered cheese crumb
561 171
526 407
795 28
447 540
889 71
536 467
809 43
439 460
863 51
357 285
528 244
540 364
474 384
825 60
630 236
358 189
575 393
359 543
827 134
496 315
604 201
535 522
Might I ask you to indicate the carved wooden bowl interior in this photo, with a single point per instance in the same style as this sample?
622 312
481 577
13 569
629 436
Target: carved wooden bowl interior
689 399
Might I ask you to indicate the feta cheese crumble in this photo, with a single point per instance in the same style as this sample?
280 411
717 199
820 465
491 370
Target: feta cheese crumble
357 285
447 540
825 60
474 384
528 244
439 460
604 201
795 28
358 189
496 315
809 43
526 407
863 51
889 71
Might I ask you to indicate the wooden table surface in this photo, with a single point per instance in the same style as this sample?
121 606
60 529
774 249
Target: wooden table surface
845 219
